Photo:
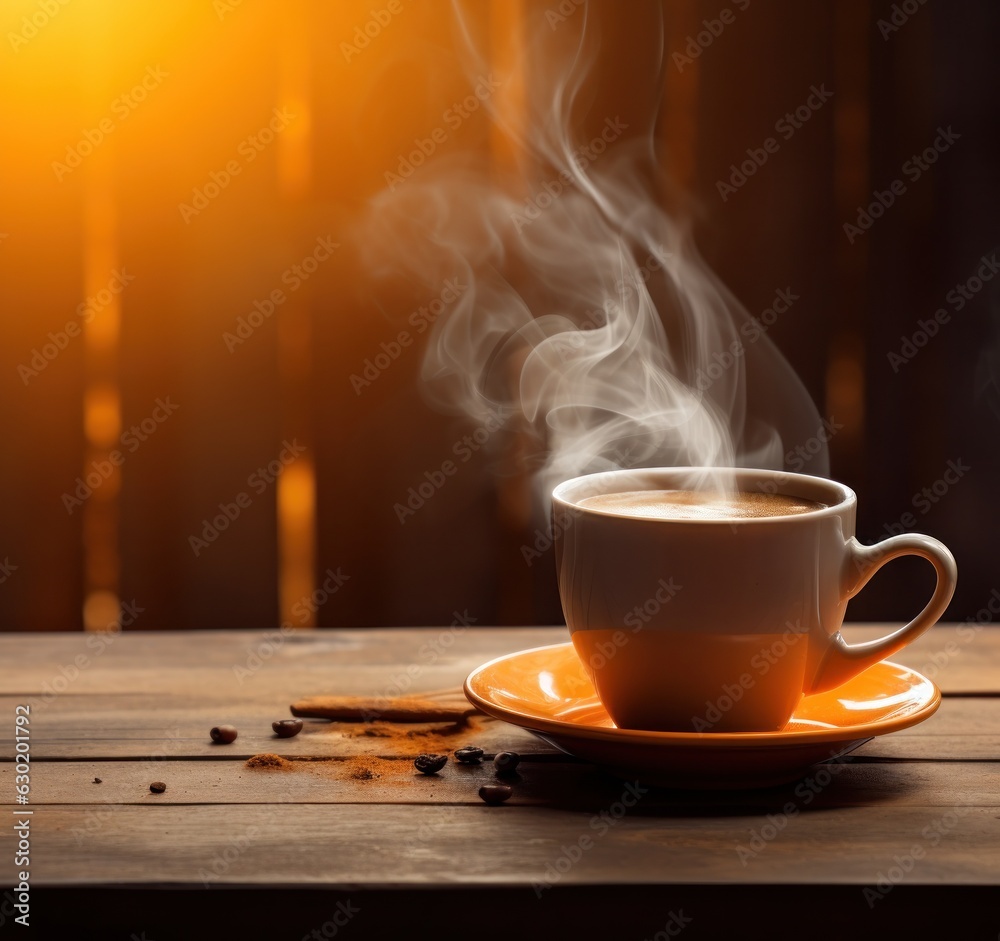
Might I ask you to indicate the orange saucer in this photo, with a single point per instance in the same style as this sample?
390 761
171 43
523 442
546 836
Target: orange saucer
547 691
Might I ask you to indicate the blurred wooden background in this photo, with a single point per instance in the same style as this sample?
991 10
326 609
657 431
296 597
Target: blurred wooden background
328 520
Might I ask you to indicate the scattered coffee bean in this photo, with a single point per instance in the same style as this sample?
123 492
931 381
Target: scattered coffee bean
287 728
469 755
97 780
506 763
224 734
430 764
495 793
157 787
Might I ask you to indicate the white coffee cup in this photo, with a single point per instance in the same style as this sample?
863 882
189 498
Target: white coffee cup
722 624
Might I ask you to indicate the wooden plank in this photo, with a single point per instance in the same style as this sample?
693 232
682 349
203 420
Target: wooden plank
174 726
560 783
912 746
158 733
959 658
246 665
336 846
242 663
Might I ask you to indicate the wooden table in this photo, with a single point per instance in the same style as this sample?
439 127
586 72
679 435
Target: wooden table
235 853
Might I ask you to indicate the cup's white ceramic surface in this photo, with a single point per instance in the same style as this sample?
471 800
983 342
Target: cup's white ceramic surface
722 625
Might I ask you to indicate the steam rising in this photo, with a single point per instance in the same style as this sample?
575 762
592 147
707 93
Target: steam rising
587 315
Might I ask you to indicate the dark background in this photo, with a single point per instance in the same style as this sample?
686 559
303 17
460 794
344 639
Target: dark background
461 555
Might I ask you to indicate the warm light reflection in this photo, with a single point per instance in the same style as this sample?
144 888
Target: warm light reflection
910 698
294 157
845 385
296 488
102 421
100 611
296 541
122 112
102 277
547 684
294 163
507 21
102 410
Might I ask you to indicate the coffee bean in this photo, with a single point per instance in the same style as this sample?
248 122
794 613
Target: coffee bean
287 728
223 734
495 793
506 763
430 764
469 755
157 787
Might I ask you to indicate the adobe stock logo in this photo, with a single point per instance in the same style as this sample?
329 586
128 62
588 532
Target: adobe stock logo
913 169
901 13
294 276
258 481
47 10
421 320
957 298
581 158
697 43
246 152
42 355
372 29
122 107
452 118
786 126
130 441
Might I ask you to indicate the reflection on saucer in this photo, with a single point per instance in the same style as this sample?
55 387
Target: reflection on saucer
547 691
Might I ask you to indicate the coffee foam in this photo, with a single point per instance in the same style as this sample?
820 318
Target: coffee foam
695 504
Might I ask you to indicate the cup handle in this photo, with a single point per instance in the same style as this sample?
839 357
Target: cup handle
843 660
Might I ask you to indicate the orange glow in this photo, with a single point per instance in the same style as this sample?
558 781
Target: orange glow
296 488
102 410
507 29
102 414
845 385
294 162
296 538
100 611
100 262
117 115
293 150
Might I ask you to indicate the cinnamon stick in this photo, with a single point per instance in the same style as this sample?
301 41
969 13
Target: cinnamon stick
383 709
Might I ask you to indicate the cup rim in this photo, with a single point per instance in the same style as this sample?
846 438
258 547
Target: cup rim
845 496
